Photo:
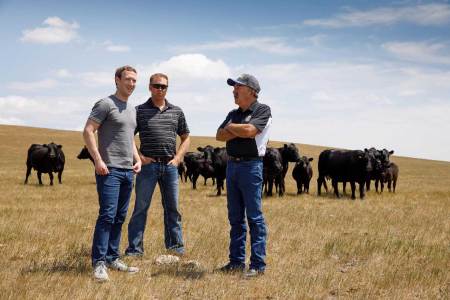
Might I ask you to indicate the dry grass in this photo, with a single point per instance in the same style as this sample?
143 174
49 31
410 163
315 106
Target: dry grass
393 246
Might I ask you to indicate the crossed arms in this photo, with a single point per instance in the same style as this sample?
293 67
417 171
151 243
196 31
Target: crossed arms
232 130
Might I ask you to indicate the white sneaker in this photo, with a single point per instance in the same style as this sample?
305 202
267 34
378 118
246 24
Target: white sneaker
100 273
119 265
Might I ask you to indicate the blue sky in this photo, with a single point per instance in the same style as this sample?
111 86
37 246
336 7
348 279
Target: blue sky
349 74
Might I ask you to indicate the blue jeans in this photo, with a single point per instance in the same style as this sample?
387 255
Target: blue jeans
114 191
244 187
167 178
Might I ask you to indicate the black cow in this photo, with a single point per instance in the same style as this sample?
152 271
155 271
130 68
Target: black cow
208 156
289 153
344 166
201 166
384 157
189 159
390 175
207 151
302 174
375 174
219 159
84 154
377 167
46 158
381 162
272 171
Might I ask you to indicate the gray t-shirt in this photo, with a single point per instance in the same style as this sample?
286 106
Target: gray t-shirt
117 121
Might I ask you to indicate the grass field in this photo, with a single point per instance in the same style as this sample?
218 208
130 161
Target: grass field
391 246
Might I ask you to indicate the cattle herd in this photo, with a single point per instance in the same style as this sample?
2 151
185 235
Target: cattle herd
352 166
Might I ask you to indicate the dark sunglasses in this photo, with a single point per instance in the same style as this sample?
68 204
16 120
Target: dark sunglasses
157 86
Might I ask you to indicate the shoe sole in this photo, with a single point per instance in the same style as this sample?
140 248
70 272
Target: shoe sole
124 271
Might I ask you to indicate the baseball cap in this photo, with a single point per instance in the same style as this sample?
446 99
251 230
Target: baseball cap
247 80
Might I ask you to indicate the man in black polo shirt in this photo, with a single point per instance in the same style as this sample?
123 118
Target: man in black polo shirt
245 131
158 123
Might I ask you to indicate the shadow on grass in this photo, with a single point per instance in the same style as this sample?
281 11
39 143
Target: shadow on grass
286 194
215 195
76 261
185 271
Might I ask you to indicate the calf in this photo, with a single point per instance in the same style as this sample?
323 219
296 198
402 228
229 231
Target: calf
272 171
197 165
46 158
289 153
189 159
390 175
208 155
344 165
202 167
381 162
302 174
220 159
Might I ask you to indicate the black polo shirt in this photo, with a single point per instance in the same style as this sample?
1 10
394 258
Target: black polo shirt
158 129
257 114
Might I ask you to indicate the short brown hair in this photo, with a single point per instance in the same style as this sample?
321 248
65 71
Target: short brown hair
120 70
159 75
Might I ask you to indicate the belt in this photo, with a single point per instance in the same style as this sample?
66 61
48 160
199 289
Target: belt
244 158
164 159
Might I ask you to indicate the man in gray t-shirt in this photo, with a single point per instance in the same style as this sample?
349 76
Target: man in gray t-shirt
116 135
116 159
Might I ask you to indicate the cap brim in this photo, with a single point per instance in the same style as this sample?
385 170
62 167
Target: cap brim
231 82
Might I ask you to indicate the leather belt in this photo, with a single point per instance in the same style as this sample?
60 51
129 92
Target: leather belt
163 159
244 158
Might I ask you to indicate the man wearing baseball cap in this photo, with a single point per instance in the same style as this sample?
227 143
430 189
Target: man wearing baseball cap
246 133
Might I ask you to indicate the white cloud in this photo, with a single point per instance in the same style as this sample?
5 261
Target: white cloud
94 79
197 84
358 105
16 103
426 14
110 46
411 131
63 73
188 67
422 52
11 121
51 112
316 40
57 31
32 86
271 45
351 105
